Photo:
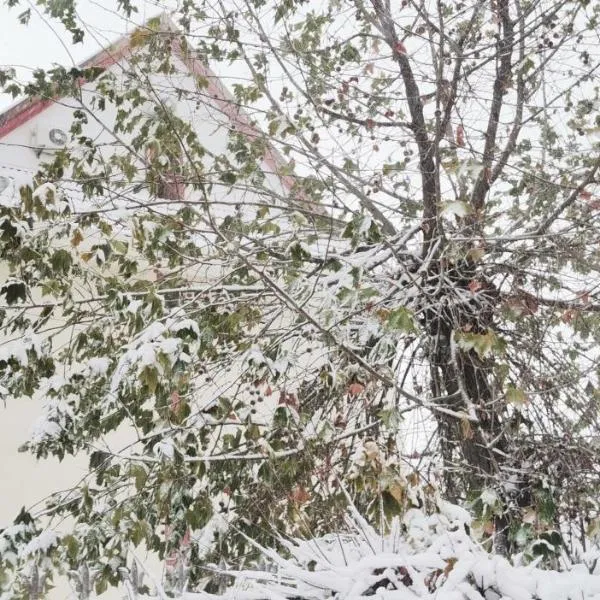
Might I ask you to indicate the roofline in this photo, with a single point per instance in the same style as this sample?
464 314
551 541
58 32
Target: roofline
27 109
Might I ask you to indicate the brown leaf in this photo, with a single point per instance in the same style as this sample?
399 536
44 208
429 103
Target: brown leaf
175 401
354 389
466 429
474 285
397 492
460 136
299 495
77 238
400 48
450 562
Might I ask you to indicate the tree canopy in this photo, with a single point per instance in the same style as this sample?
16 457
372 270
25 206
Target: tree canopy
386 283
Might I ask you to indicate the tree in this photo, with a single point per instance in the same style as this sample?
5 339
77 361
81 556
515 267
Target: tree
430 271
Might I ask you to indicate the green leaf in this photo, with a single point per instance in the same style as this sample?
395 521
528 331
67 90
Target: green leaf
61 261
484 344
402 319
516 396
119 247
229 177
14 292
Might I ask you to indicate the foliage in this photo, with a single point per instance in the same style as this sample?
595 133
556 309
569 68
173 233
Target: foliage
375 259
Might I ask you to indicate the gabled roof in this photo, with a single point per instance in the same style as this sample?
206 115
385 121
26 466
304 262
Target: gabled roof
219 96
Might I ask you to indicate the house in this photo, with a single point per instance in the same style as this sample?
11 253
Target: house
35 131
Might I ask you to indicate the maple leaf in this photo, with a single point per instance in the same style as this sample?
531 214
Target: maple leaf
354 389
474 285
175 402
290 400
400 48
299 495
569 315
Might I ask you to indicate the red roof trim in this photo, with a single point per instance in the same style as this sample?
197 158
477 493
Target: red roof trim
23 111
27 109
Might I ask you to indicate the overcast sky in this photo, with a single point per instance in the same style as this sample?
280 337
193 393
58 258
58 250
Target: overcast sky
44 41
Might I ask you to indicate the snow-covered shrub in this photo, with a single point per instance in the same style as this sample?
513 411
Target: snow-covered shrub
420 556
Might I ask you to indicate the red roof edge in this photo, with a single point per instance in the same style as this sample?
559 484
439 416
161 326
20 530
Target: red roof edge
23 111
27 109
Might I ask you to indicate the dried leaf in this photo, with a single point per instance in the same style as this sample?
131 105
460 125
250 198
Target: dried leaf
475 286
450 562
397 492
175 402
400 48
466 429
77 238
299 495
356 388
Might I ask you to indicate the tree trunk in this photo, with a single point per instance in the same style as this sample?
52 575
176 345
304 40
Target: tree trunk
474 449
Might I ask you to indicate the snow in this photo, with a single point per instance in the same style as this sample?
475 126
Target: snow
42 191
165 449
427 556
98 366
153 342
17 349
41 543
54 419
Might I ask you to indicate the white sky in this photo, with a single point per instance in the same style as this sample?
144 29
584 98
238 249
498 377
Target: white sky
44 41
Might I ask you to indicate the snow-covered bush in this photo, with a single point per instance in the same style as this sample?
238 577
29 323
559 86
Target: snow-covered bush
420 556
